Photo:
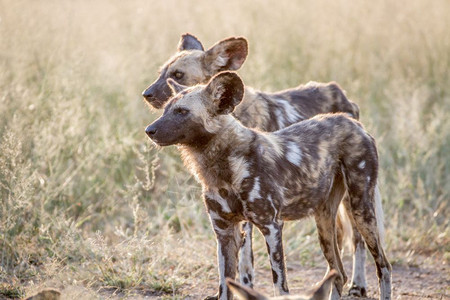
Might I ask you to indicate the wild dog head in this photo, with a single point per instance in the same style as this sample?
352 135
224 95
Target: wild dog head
321 292
192 65
195 114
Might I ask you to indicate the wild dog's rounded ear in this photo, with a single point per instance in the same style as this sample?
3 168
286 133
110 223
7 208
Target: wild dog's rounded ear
324 289
226 90
189 42
175 86
243 292
227 55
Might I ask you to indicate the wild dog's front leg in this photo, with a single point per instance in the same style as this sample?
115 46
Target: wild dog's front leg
273 235
229 239
246 268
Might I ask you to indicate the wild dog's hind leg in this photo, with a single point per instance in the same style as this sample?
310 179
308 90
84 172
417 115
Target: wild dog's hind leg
246 267
340 231
274 241
362 207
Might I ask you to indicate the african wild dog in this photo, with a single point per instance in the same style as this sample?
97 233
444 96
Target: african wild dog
321 292
268 178
265 111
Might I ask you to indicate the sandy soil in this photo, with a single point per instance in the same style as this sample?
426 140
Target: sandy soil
420 278
414 277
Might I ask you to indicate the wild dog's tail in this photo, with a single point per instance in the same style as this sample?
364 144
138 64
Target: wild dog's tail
379 213
346 227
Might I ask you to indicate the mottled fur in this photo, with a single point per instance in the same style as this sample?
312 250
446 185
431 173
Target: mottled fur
268 178
265 111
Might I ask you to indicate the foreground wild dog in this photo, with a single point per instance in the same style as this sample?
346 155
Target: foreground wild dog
265 111
268 178
322 292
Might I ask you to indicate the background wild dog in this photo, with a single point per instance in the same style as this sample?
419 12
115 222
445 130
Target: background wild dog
321 292
266 111
268 178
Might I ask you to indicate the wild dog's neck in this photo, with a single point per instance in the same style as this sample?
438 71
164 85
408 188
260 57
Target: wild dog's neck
211 163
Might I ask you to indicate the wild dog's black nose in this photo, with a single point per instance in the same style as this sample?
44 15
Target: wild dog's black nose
150 131
147 94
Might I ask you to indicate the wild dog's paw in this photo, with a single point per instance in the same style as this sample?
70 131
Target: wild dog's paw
357 291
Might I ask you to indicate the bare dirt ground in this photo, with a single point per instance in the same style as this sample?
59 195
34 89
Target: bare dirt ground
414 277
423 278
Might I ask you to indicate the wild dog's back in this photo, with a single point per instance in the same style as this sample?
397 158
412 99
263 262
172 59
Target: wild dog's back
298 164
274 111
316 98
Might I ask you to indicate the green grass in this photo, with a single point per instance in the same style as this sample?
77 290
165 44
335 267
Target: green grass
85 193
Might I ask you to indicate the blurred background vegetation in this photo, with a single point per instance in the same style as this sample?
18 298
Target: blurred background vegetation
87 201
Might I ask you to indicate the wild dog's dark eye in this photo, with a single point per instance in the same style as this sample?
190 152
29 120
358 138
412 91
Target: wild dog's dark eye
180 111
178 74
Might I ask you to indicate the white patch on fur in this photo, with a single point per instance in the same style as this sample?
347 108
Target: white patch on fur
359 271
293 153
222 202
273 206
290 112
245 258
362 164
280 118
254 194
239 167
368 179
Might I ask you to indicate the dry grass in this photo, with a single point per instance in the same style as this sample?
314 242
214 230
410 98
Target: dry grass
87 201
